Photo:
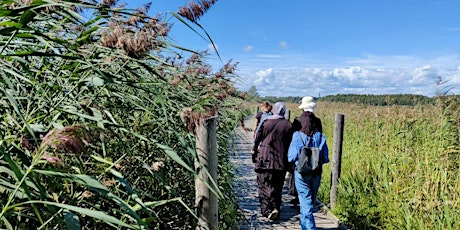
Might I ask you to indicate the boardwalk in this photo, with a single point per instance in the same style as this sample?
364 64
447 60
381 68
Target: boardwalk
248 200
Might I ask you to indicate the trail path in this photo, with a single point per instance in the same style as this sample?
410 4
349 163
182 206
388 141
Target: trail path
248 198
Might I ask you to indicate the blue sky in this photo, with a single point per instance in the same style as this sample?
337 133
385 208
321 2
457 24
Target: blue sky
324 47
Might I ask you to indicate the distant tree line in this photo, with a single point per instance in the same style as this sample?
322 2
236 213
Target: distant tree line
274 99
365 99
380 100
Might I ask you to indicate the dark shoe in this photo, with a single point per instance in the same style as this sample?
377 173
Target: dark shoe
273 215
318 203
294 201
315 209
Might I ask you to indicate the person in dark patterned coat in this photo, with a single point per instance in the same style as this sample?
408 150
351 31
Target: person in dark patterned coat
270 146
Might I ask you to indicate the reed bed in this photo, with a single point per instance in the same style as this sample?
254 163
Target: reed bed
399 165
98 108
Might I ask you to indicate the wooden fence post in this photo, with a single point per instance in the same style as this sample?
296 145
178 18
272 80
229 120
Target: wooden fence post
336 157
205 199
287 115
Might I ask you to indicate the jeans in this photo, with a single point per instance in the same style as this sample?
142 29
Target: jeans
316 184
306 185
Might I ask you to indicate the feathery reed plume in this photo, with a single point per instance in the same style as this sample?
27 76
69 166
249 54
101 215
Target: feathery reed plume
156 166
109 183
26 2
136 35
48 8
70 139
109 3
191 117
193 11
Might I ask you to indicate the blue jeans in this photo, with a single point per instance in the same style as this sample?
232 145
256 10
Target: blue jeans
306 185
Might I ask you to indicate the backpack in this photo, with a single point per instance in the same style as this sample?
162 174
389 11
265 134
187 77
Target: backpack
262 118
310 154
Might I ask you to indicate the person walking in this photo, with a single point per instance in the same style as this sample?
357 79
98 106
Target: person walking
308 123
270 149
266 108
307 127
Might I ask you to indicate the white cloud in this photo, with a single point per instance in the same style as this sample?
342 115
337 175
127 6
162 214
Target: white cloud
424 74
283 44
264 77
343 80
368 75
248 48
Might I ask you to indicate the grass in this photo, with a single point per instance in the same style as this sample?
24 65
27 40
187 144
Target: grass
399 165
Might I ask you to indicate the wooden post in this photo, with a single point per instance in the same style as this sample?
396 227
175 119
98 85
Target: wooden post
287 115
205 199
336 157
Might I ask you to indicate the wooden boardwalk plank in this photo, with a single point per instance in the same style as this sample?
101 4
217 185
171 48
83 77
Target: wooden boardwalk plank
248 199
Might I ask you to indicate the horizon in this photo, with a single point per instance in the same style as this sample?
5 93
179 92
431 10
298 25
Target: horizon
348 94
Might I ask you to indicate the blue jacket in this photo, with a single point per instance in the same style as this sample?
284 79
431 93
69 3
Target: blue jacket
299 139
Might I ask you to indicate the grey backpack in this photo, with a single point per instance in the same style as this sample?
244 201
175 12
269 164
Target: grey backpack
309 157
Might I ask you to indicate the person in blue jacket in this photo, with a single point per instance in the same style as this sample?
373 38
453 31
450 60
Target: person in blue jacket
307 127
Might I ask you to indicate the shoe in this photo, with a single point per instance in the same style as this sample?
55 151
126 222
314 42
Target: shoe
315 209
273 215
294 201
318 203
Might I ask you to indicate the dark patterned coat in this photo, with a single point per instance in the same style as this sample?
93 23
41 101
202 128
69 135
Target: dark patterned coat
271 145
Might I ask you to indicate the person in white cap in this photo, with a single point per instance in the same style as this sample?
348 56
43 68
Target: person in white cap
307 126
308 123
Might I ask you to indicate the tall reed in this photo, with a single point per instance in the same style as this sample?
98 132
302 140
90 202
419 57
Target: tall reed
399 165
97 118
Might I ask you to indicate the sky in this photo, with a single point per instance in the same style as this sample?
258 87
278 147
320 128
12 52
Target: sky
325 47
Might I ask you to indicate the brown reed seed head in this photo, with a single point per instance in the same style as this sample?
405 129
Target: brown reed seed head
109 183
156 166
230 68
193 10
26 2
18 3
109 3
243 95
70 139
26 144
137 35
46 8
191 118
